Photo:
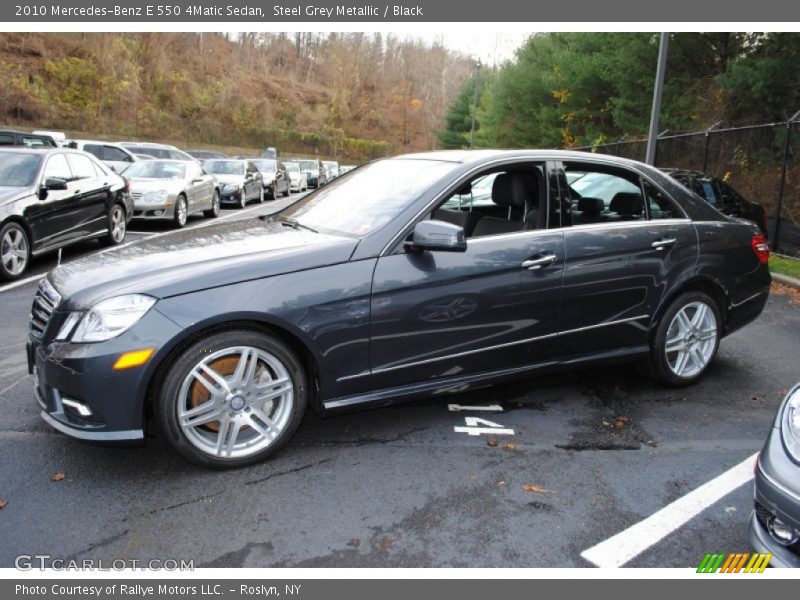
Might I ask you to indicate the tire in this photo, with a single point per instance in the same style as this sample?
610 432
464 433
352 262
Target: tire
181 214
261 194
15 251
213 212
117 227
690 327
243 199
287 191
260 430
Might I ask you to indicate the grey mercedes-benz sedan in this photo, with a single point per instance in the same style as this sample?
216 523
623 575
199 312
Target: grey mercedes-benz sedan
391 283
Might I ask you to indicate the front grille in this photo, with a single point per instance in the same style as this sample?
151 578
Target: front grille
44 303
136 196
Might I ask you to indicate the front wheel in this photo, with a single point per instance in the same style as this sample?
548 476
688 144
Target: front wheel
181 212
116 226
686 339
232 398
15 251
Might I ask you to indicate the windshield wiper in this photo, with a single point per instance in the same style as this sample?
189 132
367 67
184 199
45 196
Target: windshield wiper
295 224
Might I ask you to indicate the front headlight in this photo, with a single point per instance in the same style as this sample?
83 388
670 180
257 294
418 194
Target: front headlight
106 319
790 425
231 187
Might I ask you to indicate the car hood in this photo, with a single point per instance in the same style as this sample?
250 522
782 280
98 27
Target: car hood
147 184
9 194
196 259
226 179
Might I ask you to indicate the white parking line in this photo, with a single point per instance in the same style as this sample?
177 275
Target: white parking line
628 544
210 222
459 408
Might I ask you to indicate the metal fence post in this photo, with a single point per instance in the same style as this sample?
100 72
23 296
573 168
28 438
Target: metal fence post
705 150
786 147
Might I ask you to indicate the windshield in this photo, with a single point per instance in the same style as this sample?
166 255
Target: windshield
156 169
292 167
224 167
18 170
368 199
309 165
265 166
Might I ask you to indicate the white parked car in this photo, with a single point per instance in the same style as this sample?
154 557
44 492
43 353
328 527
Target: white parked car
297 177
114 156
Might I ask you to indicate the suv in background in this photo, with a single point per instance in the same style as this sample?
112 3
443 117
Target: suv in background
26 140
164 151
113 155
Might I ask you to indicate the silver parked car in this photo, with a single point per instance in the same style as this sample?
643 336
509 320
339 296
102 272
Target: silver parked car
114 156
172 189
298 179
163 151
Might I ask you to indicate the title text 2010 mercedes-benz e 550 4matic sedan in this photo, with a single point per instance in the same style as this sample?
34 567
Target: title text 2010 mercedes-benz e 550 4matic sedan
389 284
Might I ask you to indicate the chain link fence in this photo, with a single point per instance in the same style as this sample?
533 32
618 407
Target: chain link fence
761 161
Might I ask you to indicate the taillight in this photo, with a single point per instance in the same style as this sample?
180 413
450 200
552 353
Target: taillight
761 249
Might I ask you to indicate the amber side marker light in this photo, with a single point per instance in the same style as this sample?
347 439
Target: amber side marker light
133 359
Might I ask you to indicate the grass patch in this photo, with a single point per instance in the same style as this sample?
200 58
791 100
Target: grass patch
784 266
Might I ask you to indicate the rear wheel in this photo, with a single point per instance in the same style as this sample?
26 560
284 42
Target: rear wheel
232 398
181 212
213 212
116 226
15 251
686 340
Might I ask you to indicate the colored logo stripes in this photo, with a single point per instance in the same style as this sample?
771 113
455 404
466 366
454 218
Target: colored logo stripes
734 563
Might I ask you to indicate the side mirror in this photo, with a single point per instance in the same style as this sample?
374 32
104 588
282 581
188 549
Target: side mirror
438 235
55 183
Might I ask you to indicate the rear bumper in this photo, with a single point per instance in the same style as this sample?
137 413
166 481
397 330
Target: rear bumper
743 312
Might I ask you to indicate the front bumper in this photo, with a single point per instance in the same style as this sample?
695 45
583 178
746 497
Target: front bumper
79 392
777 493
154 212
231 197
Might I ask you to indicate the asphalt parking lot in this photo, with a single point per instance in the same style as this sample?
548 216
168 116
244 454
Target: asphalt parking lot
572 460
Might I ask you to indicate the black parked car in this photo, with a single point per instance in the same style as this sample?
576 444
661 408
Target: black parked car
340 301
775 521
317 175
722 196
239 180
26 140
52 198
275 176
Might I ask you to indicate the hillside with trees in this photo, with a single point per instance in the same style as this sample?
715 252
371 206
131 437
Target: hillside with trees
348 95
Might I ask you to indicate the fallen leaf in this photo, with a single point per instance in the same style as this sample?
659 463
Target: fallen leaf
532 487
385 543
501 482
491 442
606 423
355 542
510 446
3 504
620 423
58 476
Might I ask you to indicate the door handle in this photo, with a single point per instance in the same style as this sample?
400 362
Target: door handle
661 244
533 264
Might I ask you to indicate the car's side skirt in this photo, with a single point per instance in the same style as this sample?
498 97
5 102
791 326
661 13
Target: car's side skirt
463 383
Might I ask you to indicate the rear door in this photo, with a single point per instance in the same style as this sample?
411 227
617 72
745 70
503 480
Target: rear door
625 240
89 186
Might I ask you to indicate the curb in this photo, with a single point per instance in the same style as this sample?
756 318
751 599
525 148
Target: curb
786 280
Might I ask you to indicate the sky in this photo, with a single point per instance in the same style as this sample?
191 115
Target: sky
491 48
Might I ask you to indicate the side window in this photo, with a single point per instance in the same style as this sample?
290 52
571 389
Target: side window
497 202
6 140
602 195
659 205
82 167
730 200
94 150
705 188
35 142
174 154
57 167
115 154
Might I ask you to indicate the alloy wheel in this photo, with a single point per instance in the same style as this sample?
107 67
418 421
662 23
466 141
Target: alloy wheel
691 339
235 402
14 251
117 224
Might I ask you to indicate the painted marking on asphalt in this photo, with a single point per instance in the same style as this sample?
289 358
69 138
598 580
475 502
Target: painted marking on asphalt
489 427
20 282
459 407
628 544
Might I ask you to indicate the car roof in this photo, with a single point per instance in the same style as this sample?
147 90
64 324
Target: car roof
147 145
